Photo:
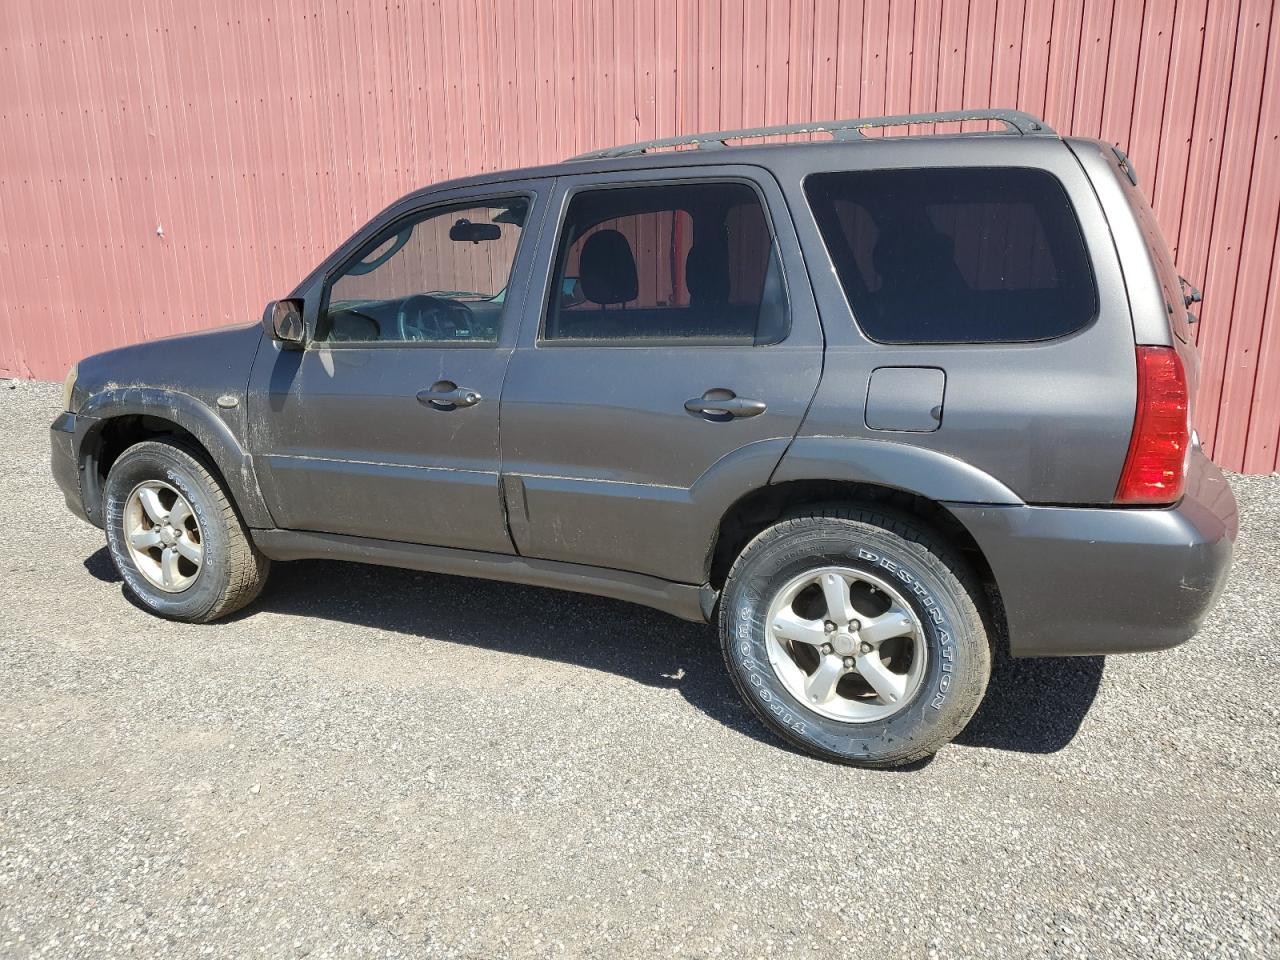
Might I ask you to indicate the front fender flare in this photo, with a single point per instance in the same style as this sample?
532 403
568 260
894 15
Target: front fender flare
192 415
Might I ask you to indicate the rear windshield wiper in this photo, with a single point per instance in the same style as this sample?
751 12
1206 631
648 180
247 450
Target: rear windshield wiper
1190 295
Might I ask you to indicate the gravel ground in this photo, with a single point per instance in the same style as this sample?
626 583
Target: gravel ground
372 762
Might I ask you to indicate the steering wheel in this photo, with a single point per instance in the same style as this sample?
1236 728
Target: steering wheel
423 317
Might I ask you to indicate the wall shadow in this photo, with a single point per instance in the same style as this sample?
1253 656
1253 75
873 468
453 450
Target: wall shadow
1032 706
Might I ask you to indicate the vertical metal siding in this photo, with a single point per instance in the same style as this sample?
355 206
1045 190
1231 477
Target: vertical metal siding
256 136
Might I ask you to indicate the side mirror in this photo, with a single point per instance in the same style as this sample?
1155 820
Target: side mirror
283 322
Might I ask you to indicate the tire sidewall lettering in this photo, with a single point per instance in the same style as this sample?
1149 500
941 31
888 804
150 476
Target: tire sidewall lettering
748 644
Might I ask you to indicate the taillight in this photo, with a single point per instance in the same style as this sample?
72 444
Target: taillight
1156 467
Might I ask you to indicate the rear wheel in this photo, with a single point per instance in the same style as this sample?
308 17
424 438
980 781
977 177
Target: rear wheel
176 537
855 635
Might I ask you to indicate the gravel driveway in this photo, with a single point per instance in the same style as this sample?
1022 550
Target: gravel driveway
371 762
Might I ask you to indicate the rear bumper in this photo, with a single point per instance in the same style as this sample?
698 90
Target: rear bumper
62 462
1086 581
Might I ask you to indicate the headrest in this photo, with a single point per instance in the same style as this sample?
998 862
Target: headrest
607 269
706 273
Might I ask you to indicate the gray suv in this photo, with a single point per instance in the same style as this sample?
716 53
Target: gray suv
871 404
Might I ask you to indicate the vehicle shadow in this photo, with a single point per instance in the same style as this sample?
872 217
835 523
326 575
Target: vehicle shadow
1033 706
594 633
102 567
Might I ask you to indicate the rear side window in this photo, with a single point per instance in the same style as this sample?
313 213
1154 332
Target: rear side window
691 261
948 255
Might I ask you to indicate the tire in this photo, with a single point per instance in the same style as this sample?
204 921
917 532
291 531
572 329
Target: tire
231 571
891 565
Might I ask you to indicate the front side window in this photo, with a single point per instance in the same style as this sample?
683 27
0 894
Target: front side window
439 278
693 261
948 255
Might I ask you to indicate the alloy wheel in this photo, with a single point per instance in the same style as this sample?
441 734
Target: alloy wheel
846 644
163 536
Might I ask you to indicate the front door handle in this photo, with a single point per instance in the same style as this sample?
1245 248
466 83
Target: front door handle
447 395
720 405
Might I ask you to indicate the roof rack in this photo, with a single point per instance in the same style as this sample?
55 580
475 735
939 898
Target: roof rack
1015 121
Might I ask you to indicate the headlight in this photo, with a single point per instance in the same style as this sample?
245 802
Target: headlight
69 386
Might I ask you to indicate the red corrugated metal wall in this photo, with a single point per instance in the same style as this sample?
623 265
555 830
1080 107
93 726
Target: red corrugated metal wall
165 167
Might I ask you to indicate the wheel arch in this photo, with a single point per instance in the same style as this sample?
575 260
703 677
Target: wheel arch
894 465
115 420
760 508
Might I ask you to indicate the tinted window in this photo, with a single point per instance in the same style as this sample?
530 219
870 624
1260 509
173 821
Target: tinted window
956 255
441 277
689 261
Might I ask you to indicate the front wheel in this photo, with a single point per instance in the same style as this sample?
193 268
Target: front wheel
855 635
175 536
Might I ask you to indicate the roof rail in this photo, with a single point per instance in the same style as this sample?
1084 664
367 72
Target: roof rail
1015 121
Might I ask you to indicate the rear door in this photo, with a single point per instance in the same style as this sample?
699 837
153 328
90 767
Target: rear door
663 366
386 425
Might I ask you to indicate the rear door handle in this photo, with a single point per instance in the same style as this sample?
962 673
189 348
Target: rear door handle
447 395
719 405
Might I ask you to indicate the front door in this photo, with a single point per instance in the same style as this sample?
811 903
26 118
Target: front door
662 370
386 425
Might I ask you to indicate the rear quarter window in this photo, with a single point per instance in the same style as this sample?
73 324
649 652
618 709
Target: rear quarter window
956 255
